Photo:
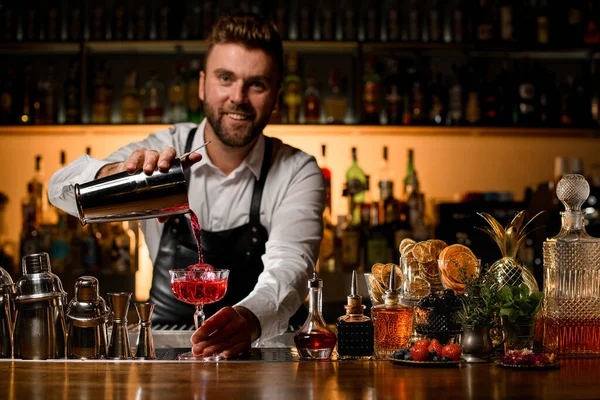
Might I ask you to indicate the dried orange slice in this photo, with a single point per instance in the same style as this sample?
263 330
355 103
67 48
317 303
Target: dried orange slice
406 246
435 247
421 252
458 262
382 272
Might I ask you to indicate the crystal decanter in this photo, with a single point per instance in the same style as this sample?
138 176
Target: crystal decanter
571 278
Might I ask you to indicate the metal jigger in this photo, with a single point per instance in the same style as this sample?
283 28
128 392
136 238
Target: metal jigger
145 344
119 340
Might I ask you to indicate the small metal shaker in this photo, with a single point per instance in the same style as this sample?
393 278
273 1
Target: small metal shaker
7 288
87 316
145 344
39 329
119 347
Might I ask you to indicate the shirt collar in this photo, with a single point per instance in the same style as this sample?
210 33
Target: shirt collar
253 160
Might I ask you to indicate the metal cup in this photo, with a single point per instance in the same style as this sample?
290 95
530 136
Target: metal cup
125 196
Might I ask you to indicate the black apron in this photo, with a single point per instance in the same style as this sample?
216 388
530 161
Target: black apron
239 250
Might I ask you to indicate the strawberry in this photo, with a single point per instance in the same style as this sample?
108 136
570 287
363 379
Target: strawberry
452 351
420 353
422 343
437 346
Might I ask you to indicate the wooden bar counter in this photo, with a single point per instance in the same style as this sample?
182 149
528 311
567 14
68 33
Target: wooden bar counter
31 380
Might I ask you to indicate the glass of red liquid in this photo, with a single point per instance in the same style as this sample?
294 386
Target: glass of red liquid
199 286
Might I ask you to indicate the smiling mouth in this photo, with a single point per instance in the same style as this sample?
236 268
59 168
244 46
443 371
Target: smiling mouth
239 117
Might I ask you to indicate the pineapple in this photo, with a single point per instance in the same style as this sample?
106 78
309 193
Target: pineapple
508 270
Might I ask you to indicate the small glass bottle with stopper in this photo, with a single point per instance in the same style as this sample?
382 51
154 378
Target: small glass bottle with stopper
314 340
355 330
392 321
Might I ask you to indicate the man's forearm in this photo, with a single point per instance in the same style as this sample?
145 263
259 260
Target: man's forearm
110 169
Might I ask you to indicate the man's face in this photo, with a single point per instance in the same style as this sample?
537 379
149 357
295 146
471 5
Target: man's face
239 91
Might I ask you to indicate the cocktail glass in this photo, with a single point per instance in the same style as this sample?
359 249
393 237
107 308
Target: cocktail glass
199 286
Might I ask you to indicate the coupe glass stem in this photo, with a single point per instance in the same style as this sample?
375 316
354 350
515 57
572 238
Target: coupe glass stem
199 316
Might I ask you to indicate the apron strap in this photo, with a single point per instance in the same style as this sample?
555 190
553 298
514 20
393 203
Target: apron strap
260 184
188 148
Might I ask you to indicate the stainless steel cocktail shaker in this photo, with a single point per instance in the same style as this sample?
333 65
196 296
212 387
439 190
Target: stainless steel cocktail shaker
87 316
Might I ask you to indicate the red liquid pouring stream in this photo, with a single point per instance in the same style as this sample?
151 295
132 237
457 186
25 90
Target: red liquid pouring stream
198 235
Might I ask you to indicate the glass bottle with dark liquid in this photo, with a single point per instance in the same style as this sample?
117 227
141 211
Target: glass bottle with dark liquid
355 330
314 340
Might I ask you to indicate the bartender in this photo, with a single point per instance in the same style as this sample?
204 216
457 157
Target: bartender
259 201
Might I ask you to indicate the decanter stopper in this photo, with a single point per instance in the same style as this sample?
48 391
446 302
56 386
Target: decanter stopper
391 295
145 344
573 190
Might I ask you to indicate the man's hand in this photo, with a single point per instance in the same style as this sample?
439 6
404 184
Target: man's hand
230 331
148 160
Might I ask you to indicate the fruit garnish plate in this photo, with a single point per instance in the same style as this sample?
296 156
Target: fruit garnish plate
428 364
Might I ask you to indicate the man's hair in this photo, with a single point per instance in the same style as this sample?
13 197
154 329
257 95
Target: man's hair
251 31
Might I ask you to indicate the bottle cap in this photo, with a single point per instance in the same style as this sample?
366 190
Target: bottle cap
315 282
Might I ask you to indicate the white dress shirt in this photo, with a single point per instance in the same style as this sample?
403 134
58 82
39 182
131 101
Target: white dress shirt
291 211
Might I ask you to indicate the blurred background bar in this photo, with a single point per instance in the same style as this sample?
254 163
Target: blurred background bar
452 108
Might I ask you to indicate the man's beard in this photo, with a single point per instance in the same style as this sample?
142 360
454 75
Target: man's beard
215 119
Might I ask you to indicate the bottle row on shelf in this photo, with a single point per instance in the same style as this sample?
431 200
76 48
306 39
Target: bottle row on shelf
531 22
392 91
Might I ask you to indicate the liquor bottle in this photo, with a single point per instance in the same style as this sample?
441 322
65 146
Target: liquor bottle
8 24
570 313
410 167
371 93
163 17
393 21
354 330
305 22
312 102
31 24
543 23
414 22
526 112
141 26
129 108
53 23
292 90
489 100
386 181
7 98
194 105
101 97
327 247
438 99
26 115
281 19
120 23
507 27
191 29
455 100
393 93
392 322
314 340
75 16
327 24
595 102
504 84
73 95
59 245
473 103
434 21
458 22
349 21
417 97
485 24
581 104
46 104
177 94
122 249
377 239
335 103
153 97
415 201
371 25
31 213
356 181
97 24
591 33
574 28
567 101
